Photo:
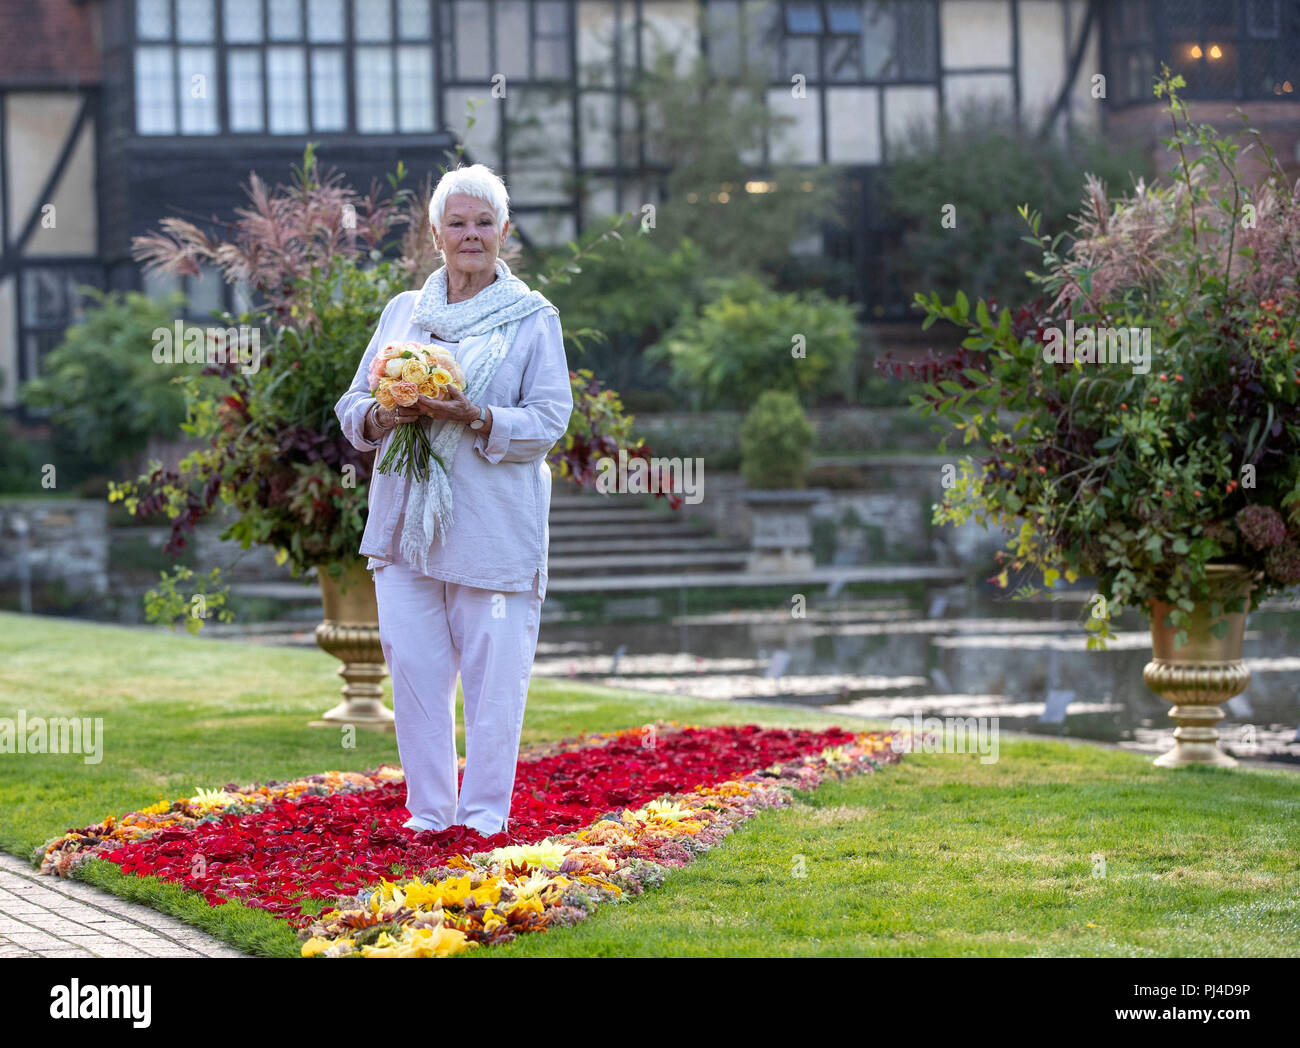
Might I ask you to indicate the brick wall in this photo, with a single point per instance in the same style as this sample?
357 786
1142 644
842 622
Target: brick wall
49 43
1278 123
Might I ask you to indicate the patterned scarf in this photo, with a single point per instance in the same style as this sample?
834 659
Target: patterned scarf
495 311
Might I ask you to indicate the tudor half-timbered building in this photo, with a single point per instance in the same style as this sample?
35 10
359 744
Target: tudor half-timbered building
116 113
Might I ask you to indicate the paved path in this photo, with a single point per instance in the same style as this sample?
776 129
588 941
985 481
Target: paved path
57 917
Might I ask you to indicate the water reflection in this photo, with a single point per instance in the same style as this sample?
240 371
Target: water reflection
952 653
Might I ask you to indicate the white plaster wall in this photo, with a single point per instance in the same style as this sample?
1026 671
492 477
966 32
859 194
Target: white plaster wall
853 125
1042 54
8 343
483 139
971 88
670 25
907 107
975 33
798 142
76 214
37 124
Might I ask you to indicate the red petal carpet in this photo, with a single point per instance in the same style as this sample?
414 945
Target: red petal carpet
339 836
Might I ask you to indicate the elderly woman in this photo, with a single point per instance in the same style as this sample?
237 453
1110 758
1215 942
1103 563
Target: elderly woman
459 556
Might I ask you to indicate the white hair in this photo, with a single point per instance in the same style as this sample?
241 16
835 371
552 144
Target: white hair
477 180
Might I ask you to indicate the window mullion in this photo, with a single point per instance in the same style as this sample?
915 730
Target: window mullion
222 72
266 69
350 65
532 39
176 65
395 117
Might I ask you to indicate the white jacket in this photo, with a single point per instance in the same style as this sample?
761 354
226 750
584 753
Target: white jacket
501 486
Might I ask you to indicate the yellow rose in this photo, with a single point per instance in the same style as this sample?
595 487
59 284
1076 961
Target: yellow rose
441 376
428 387
414 371
384 394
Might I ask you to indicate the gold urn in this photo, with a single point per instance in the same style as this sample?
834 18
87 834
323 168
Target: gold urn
350 632
1204 672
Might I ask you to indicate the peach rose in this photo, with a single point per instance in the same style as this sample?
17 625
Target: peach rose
405 393
384 394
393 349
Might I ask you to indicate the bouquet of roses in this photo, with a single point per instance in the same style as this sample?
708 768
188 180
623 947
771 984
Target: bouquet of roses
400 374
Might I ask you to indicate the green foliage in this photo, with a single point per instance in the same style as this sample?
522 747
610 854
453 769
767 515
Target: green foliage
316 360
1137 476
977 160
105 392
181 595
633 296
21 464
775 439
750 339
597 426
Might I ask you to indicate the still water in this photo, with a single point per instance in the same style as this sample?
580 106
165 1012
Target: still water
951 652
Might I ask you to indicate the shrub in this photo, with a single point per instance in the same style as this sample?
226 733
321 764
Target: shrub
999 163
105 392
740 345
1140 472
774 442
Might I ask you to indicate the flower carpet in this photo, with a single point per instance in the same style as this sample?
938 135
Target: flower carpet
593 820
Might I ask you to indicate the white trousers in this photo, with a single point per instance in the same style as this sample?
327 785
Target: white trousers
431 630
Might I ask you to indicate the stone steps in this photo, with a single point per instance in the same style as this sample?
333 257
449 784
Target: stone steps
595 530
606 563
597 536
692 543
611 516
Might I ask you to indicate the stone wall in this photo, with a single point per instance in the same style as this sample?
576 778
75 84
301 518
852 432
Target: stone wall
64 550
884 519
78 563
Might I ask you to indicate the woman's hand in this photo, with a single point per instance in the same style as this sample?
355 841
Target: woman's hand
389 418
455 406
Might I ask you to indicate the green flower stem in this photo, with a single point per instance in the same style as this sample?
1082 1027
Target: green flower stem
409 452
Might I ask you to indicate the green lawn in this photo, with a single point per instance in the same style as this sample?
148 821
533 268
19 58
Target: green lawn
941 855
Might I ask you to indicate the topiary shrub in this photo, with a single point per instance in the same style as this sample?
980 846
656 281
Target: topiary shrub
775 440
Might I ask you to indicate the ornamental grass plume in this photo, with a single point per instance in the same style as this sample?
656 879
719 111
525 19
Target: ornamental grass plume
1124 244
286 232
1134 243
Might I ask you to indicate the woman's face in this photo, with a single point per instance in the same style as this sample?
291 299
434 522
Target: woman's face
470 240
